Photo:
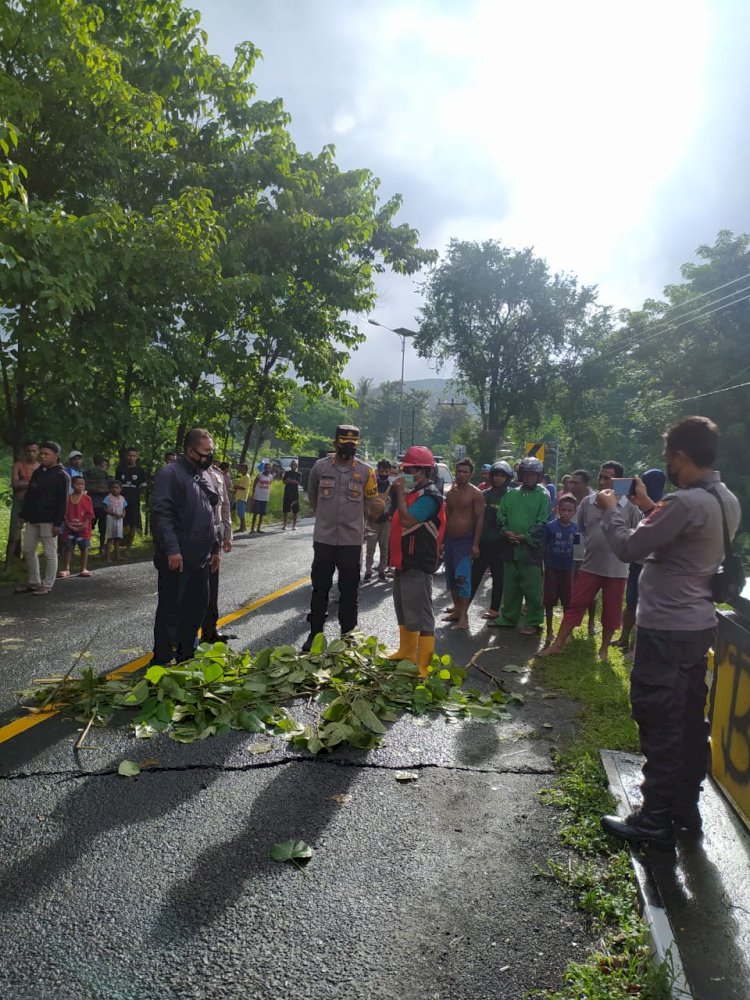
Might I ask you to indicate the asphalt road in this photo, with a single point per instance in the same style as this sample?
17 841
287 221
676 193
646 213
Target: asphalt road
161 886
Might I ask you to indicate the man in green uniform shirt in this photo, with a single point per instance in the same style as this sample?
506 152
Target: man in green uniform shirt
522 515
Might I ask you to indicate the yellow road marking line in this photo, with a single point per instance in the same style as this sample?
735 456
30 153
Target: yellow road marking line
19 726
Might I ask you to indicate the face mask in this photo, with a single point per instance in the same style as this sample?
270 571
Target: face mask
409 480
204 461
346 450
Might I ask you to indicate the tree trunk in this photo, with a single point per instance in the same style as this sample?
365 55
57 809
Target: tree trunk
489 441
258 443
246 440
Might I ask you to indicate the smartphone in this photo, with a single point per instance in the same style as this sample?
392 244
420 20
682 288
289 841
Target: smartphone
622 487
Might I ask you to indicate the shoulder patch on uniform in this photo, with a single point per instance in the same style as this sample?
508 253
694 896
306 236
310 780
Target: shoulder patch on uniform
655 511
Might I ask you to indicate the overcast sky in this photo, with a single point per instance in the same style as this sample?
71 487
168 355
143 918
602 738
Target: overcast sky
611 137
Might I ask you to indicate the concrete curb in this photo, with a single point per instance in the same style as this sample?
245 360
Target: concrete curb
663 940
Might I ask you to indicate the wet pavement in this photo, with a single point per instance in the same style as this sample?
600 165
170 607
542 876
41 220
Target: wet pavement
697 899
161 886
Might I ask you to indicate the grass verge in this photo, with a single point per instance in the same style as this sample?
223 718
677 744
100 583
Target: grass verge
600 875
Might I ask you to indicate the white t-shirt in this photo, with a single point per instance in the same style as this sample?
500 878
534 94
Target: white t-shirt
263 486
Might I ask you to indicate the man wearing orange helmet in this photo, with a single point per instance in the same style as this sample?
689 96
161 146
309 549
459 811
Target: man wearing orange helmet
416 535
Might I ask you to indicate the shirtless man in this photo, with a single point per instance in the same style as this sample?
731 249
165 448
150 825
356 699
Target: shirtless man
19 480
464 509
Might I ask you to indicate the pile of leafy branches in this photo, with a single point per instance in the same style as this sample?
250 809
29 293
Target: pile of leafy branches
352 687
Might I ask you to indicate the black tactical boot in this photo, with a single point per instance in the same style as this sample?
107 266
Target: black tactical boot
307 644
687 819
640 827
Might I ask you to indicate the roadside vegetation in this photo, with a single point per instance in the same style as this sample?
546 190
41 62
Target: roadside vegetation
600 875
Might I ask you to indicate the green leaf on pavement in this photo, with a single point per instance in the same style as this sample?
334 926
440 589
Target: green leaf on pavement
405 776
129 768
257 748
291 850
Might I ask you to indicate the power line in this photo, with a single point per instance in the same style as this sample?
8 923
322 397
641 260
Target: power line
668 324
700 311
702 395
625 345
710 291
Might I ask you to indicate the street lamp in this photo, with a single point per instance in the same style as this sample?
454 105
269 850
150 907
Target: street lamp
403 333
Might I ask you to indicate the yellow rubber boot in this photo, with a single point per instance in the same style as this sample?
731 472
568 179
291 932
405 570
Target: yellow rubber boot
407 649
424 655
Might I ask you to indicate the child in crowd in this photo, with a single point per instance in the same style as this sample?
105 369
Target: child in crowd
115 503
241 490
79 519
261 493
559 538
292 480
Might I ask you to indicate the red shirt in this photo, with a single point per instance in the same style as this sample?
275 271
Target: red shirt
79 516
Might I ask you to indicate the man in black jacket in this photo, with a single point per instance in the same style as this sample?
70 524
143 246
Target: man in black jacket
186 546
43 510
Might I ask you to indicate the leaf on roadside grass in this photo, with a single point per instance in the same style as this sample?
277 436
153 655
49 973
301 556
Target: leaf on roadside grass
512 668
404 776
257 748
129 768
154 674
548 725
549 695
291 850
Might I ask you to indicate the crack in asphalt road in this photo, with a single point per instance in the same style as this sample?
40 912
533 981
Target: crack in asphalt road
263 765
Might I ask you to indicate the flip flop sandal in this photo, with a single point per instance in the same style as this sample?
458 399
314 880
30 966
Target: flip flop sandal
25 590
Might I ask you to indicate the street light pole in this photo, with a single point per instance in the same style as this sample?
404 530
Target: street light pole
403 333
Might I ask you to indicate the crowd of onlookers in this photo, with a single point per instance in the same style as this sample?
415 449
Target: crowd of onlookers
65 507
536 539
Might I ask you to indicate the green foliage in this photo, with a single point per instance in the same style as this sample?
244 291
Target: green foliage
502 319
355 689
166 249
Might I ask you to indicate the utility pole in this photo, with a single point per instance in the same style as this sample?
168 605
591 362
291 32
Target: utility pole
403 333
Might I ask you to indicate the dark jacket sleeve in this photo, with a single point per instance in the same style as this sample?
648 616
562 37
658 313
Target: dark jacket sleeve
62 484
164 511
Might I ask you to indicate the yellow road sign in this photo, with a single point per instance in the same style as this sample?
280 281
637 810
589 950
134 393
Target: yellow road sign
535 449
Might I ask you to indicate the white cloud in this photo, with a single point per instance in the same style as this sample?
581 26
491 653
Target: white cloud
563 126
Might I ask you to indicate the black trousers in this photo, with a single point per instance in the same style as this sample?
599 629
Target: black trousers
668 698
326 560
183 598
211 617
100 521
490 557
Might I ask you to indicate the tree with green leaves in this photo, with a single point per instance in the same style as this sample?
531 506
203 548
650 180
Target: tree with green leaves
504 322
166 248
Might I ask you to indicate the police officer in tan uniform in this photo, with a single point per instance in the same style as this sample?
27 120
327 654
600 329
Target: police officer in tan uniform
341 490
680 542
